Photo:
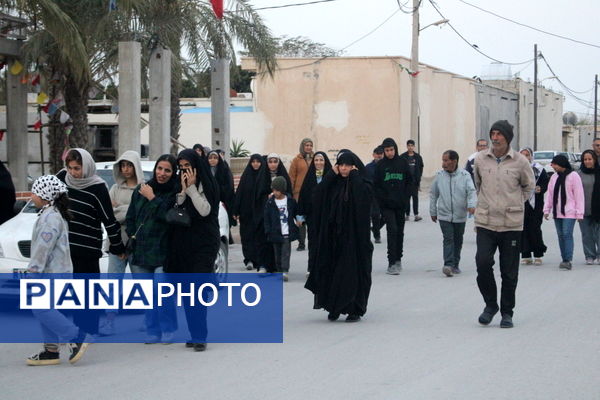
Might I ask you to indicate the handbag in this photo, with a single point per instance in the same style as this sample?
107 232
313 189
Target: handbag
130 245
178 216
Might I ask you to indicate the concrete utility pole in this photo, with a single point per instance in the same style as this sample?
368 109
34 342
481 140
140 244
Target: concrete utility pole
17 137
535 95
160 102
596 106
219 99
130 97
414 82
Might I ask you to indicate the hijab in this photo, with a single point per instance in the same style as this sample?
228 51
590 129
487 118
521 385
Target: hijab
596 192
168 186
310 183
89 177
204 176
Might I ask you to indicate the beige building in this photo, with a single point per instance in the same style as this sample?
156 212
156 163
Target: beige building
356 102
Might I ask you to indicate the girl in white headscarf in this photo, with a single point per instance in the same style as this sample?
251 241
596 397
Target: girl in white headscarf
50 254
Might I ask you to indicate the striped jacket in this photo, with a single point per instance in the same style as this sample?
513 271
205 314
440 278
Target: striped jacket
92 208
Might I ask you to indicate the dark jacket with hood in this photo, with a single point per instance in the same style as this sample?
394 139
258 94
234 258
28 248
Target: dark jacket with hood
392 176
273 220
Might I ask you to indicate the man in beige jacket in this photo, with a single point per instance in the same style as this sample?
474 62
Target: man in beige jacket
504 181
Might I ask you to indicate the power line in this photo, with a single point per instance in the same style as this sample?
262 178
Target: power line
406 9
344 48
473 46
530 27
294 4
569 91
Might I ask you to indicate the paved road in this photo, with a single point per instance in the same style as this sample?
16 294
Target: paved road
419 340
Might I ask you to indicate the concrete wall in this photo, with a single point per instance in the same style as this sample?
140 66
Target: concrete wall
494 104
355 102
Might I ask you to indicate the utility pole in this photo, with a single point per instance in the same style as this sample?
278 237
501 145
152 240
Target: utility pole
596 107
535 95
414 85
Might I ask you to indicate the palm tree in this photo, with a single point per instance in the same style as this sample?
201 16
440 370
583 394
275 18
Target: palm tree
73 45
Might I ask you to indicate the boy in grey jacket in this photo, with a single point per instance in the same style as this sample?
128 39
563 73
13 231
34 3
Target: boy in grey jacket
452 196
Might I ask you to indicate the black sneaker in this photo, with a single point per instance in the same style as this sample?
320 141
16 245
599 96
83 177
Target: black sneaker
79 346
301 247
506 321
189 345
487 315
333 316
352 318
44 357
199 346
377 240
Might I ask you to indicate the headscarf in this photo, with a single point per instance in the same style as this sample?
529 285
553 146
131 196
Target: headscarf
89 177
49 188
537 172
596 191
305 155
213 170
310 183
168 186
560 185
244 195
203 175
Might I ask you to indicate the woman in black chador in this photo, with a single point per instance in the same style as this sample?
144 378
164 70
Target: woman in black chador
272 167
243 210
319 167
340 277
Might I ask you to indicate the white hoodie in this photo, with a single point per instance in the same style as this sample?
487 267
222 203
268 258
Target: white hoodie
120 193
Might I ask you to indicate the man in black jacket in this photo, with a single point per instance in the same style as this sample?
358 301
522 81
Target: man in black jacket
392 177
376 217
415 164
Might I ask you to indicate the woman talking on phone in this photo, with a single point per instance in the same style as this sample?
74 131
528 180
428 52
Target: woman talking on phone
193 249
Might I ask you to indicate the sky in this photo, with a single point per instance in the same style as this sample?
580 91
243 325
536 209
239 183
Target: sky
340 22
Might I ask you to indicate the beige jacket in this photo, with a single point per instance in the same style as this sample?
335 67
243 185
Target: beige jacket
502 189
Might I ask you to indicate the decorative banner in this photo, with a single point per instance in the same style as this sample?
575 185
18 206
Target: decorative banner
2 65
38 125
411 73
36 80
45 108
25 79
2 132
52 108
217 8
64 117
16 68
41 98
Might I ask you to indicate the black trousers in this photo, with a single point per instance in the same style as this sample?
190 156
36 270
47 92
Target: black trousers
86 320
302 235
394 220
196 320
508 243
376 219
532 240
413 193
248 242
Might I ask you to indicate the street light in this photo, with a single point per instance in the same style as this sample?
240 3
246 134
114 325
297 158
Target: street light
437 23
414 67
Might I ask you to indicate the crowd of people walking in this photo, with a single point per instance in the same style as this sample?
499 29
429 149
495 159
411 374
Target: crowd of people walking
331 209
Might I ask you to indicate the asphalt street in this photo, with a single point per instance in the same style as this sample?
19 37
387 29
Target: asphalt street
419 340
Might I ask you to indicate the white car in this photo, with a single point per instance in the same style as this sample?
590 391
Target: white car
15 234
545 157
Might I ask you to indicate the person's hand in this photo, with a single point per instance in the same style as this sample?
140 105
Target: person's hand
538 189
580 219
471 210
191 178
336 169
183 182
147 192
298 223
434 218
236 217
270 195
546 216
354 168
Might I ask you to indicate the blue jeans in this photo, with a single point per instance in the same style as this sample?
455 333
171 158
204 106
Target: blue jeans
56 328
564 229
116 265
453 240
590 237
163 319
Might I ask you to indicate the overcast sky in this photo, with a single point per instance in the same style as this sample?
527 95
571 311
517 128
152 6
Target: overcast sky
340 22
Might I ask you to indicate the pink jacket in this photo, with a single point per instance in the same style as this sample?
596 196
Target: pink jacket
575 198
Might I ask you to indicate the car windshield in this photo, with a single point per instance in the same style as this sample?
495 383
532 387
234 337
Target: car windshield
107 175
30 208
543 155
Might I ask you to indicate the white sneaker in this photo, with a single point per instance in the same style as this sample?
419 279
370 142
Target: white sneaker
526 261
398 265
262 270
249 266
589 261
107 328
537 261
597 260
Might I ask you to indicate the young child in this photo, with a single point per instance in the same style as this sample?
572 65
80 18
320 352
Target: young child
50 253
280 213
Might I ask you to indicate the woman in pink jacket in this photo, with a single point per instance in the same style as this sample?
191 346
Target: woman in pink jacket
565 200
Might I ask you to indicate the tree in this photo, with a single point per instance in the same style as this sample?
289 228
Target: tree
301 46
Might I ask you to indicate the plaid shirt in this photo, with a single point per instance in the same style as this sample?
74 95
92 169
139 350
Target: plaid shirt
150 249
